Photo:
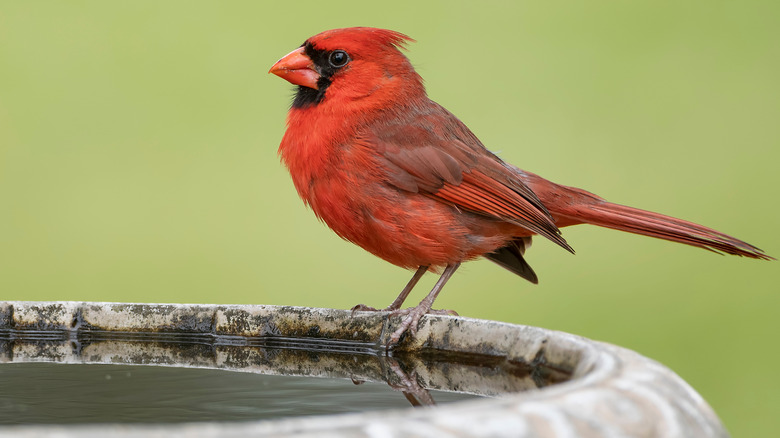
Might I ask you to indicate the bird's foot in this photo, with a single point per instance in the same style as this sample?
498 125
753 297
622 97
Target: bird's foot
412 320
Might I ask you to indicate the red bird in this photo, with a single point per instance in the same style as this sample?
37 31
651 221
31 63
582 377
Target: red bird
394 172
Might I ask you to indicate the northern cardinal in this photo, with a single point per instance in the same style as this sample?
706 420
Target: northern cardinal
394 172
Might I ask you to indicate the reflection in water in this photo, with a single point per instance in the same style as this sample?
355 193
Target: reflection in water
95 377
409 386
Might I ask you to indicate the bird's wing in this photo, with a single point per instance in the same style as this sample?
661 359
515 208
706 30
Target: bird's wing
430 151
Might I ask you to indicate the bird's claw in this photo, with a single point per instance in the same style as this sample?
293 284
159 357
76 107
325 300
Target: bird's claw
442 312
364 308
408 324
412 321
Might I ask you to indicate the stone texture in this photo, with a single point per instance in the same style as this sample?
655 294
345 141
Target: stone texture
604 390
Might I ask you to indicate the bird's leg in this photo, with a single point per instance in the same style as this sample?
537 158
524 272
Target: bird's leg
399 301
414 314
401 297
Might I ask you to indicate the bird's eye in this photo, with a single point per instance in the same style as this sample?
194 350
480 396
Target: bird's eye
338 58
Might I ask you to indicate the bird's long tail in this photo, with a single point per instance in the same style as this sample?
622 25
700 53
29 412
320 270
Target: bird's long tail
570 206
647 223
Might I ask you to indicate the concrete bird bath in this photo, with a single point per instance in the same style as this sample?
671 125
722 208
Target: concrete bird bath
534 382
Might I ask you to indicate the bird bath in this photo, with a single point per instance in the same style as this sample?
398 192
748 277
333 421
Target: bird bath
208 371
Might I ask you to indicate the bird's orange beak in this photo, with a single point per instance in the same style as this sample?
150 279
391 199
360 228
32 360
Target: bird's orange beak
296 68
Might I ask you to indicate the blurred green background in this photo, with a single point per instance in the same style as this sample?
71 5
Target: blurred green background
138 163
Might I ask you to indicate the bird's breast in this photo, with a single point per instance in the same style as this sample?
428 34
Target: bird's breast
346 185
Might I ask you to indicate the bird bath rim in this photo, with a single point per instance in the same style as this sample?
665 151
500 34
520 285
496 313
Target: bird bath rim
611 389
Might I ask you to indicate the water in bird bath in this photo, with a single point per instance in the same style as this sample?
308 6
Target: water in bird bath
52 377
50 393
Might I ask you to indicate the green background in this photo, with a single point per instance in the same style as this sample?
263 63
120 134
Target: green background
138 163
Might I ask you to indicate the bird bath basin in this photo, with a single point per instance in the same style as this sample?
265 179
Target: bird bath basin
84 369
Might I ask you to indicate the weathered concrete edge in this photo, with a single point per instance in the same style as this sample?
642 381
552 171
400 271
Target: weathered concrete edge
615 391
